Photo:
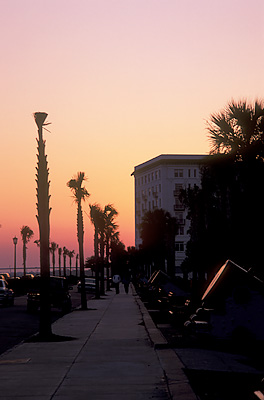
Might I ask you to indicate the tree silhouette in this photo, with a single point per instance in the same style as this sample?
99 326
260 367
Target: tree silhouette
26 234
238 130
158 231
80 194
95 215
53 248
43 215
97 219
71 254
104 231
110 235
65 254
60 253
76 264
226 213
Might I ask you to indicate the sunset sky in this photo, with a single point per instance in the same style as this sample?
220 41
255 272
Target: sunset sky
122 81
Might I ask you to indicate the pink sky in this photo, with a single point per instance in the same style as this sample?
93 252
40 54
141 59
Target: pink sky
122 81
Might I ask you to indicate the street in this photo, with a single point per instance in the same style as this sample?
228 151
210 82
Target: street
16 324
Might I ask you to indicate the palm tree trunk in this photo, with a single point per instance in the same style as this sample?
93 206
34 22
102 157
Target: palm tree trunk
24 257
59 262
53 262
76 265
81 256
97 267
44 231
64 265
102 289
107 264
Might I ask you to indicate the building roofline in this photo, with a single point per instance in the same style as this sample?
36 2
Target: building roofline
170 158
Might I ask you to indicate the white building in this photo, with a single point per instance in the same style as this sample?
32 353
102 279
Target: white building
158 183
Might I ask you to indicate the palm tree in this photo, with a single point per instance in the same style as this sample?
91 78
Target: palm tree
231 182
238 130
76 264
110 232
26 234
53 248
65 254
80 194
60 253
71 254
101 229
95 212
43 215
96 217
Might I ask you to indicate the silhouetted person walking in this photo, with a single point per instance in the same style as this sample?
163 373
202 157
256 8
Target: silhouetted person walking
126 282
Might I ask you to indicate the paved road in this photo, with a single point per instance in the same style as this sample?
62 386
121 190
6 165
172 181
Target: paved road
16 324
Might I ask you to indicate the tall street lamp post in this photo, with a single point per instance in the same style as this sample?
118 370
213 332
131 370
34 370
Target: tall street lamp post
15 243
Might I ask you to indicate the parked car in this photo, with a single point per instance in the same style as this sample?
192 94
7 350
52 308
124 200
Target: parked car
90 285
6 294
5 276
27 276
59 294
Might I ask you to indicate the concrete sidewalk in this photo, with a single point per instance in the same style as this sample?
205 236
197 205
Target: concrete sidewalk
111 351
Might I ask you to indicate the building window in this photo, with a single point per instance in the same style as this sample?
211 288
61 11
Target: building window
181 230
178 173
194 173
189 173
145 178
177 192
178 189
179 218
179 246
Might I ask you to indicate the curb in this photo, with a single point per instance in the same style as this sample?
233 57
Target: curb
158 341
177 382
